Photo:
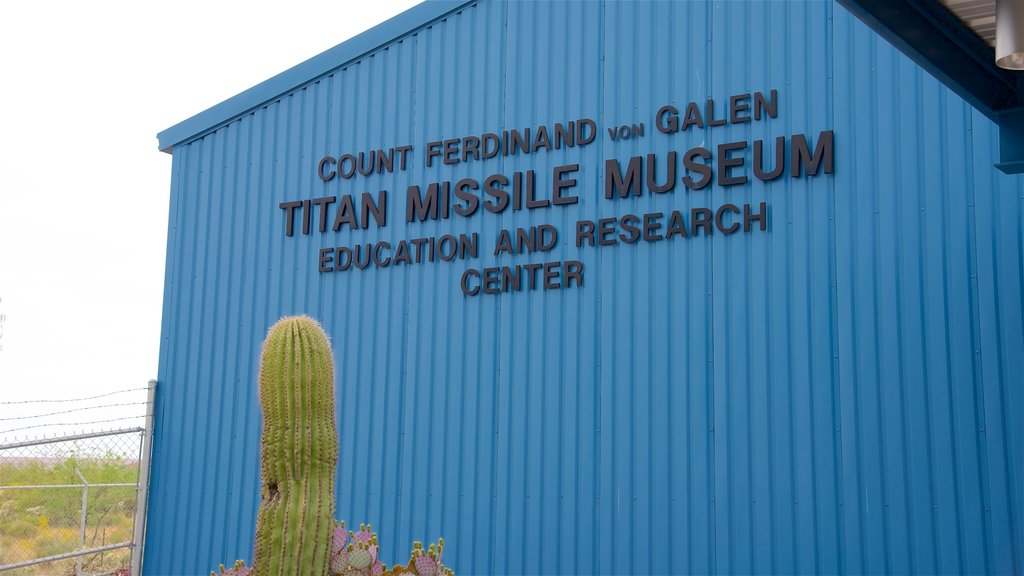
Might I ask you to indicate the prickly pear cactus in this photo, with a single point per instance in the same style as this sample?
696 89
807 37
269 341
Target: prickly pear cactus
239 569
355 553
339 549
423 563
299 450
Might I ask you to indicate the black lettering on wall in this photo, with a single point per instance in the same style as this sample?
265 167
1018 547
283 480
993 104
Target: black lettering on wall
801 155
615 182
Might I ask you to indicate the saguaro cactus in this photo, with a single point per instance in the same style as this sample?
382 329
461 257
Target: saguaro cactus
299 451
295 529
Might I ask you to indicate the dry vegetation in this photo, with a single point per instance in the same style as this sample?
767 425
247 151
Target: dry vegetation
38 522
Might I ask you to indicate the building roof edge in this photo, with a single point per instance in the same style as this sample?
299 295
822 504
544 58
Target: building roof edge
269 90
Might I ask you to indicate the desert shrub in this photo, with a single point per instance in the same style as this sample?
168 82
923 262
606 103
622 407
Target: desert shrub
22 528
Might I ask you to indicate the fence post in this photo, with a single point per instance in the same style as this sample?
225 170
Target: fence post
142 503
81 529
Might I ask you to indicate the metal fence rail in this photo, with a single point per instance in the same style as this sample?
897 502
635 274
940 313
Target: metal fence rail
75 504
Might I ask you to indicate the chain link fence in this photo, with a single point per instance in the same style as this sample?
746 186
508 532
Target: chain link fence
73 505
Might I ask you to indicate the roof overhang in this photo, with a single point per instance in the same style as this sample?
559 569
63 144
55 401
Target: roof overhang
944 45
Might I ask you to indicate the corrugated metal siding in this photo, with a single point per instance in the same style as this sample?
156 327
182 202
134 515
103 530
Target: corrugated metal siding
839 394
929 268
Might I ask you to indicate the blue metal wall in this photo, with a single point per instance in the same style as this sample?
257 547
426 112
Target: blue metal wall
841 393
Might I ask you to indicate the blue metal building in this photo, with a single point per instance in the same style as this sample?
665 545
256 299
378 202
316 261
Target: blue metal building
815 367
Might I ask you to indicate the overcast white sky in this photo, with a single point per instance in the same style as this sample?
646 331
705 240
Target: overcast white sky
83 189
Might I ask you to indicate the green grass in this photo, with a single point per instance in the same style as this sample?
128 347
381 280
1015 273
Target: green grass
38 522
